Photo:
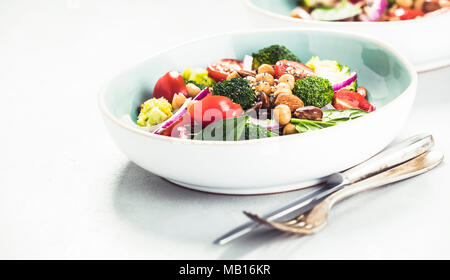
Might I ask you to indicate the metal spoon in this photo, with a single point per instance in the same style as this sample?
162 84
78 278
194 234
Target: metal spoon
316 219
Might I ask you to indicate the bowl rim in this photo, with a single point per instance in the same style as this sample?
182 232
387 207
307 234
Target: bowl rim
268 13
107 113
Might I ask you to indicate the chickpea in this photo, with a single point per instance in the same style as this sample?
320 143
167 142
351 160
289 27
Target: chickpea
289 129
265 77
192 90
266 68
282 114
263 86
288 79
282 91
444 3
283 86
233 75
178 101
404 3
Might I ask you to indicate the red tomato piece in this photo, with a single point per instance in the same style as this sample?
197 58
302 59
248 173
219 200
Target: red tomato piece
213 108
169 85
296 69
220 70
405 14
347 99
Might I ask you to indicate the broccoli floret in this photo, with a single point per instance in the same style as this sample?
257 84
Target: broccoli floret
314 91
238 90
272 54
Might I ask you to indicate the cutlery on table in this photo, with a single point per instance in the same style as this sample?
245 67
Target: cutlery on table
316 219
388 158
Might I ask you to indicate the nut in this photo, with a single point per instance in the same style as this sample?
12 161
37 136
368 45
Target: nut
265 77
288 79
292 101
178 101
234 74
192 90
309 113
282 114
289 129
254 109
266 68
264 100
245 73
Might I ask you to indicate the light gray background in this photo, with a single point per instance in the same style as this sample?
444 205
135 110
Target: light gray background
67 192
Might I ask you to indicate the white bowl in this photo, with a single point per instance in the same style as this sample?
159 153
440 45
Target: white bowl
272 164
425 42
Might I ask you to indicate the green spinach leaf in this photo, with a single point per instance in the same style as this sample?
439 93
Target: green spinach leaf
339 116
254 131
329 118
224 130
307 125
342 11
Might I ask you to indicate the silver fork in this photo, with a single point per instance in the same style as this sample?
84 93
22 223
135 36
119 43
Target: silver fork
388 158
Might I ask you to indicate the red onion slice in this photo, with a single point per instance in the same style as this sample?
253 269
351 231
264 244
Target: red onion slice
327 107
345 83
180 113
202 94
374 10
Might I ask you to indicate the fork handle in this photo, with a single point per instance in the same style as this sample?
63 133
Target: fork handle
392 156
412 168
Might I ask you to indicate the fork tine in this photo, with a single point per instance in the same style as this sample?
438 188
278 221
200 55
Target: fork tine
280 226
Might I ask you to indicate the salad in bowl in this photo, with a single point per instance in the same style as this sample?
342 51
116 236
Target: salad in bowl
259 111
414 27
269 93
368 10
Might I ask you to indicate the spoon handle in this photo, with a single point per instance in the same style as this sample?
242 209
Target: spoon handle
411 168
392 156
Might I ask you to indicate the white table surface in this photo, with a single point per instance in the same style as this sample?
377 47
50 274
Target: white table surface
67 192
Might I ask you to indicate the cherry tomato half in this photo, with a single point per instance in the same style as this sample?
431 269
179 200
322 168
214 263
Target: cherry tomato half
221 69
169 85
347 99
405 14
213 108
296 69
